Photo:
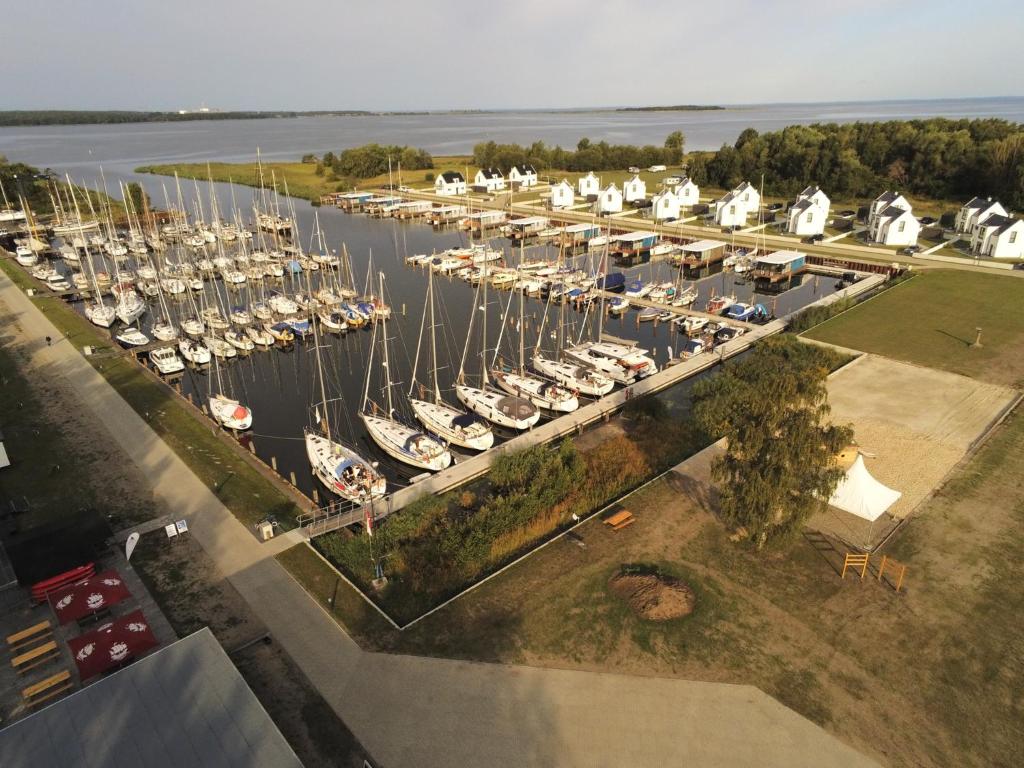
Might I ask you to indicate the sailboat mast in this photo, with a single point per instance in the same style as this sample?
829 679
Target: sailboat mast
433 339
320 376
387 362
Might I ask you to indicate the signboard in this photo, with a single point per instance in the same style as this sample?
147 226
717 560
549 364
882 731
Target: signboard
129 545
182 526
171 530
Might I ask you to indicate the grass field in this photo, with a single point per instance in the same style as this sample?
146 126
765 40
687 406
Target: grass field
247 493
931 320
909 679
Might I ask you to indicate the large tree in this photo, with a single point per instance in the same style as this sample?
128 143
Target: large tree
779 465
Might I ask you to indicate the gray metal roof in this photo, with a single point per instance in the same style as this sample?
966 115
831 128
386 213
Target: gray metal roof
183 705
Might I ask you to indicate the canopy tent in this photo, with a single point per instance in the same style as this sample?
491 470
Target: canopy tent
90 596
860 494
112 644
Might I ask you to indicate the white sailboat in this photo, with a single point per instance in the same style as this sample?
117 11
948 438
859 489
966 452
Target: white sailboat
456 426
398 440
228 411
505 410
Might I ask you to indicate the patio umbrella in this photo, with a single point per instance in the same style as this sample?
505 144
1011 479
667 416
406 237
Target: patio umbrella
79 600
112 644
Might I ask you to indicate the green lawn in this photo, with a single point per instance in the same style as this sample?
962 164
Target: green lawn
247 493
931 320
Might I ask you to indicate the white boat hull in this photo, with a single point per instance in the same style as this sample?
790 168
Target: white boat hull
406 444
499 408
441 420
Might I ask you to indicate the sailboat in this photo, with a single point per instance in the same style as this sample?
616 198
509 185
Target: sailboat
228 411
337 466
451 424
395 438
498 408
577 377
541 392
96 312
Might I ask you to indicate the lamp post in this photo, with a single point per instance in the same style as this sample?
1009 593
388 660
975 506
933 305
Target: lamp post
977 339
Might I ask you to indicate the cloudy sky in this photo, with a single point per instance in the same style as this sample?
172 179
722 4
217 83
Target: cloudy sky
466 54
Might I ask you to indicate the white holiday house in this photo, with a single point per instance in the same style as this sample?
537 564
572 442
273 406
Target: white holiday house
588 186
488 180
635 189
895 226
975 212
609 200
730 211
562 195
450 183
687 193
665 206
807 216
749 196
522 176
1000 237
885 200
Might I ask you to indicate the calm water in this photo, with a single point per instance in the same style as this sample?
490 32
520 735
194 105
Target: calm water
121 148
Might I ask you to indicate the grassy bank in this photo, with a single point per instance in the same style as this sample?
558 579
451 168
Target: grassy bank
245 491
932 321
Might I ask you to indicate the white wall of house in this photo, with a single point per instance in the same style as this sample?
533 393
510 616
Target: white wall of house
442 187
634 189
492 184
1007 244
588 185
523 179
749 196
899 231
688 194
968 218
609 200
808 221
879 204
730 212
562 195
665 205
819 198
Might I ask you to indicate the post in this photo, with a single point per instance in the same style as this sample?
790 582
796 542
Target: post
291 476
273 463
316 497
252 447
977 340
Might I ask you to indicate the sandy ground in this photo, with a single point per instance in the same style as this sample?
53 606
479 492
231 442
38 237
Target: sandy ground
913 424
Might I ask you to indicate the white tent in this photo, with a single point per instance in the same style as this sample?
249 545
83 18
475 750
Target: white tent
860 494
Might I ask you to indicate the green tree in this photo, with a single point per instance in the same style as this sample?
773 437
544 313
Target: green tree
138 197
772 407
675 145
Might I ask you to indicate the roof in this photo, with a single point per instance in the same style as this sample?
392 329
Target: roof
980 203
528 221
580 228
450 177
893 212
780 257
887 197
186 704
809 191
491 173
630 237
684 181
523 169
610 187
700 246
862 495
803 205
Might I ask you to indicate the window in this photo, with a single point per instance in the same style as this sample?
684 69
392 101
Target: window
810 217
732 209
1013 238
903 226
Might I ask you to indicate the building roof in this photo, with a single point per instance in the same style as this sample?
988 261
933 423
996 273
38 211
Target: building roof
611 187
523 169
451 177
744 187
684 181
186 704
803 204
979 203
780 257
893 212
491 173
700 246
528 221
887 197
632 237
809 191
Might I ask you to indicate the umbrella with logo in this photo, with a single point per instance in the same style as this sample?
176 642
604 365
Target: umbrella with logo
90 596
112 644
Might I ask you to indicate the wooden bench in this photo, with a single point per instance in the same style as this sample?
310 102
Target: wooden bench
625 523
47 689
26 637
34 658
618 518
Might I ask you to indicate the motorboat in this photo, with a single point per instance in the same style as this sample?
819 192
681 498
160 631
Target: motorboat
166 361
132 337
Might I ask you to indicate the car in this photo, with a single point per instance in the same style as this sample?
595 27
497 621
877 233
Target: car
910 250
817 238
633 169
656 168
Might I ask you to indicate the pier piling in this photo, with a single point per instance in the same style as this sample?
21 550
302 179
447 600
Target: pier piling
291 477
273 463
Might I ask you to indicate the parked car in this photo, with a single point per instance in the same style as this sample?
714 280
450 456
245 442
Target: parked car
657 168
815 238
633 169
910 250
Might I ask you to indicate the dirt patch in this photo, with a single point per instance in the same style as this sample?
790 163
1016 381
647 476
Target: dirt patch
653 597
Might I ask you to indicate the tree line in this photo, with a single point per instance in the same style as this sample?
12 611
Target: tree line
23 117
940 158
371 160
588 156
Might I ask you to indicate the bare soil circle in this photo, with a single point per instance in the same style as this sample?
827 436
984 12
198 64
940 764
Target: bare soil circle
653 597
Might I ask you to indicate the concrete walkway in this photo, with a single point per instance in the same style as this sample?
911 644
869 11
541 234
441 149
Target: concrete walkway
431 712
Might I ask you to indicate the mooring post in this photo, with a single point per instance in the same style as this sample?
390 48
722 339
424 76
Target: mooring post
316 497
291 476
273 463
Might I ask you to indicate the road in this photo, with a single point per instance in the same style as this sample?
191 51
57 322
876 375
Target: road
432 712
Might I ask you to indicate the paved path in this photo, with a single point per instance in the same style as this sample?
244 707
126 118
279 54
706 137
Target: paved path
431 712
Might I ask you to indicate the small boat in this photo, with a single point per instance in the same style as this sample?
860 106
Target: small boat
259 337
194 352
741 311
663 316
685 298
333 321
57 283
691 325
166 361
132 337
193 327
694 347
219 347
647 314
618 305
498 408
718 303
164 331
240 316
231 413
576 377
239 341
638 290
130 307
343 470
101 315
25 256
540 392
280 331
300 327
727 333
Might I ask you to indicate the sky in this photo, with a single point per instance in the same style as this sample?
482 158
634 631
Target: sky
480 54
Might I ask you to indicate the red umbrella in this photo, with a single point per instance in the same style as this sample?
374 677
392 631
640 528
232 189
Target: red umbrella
112 644
101 591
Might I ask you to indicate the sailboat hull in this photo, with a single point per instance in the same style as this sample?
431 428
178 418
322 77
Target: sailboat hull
499 408
575 377
443 421
343 471
406 444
